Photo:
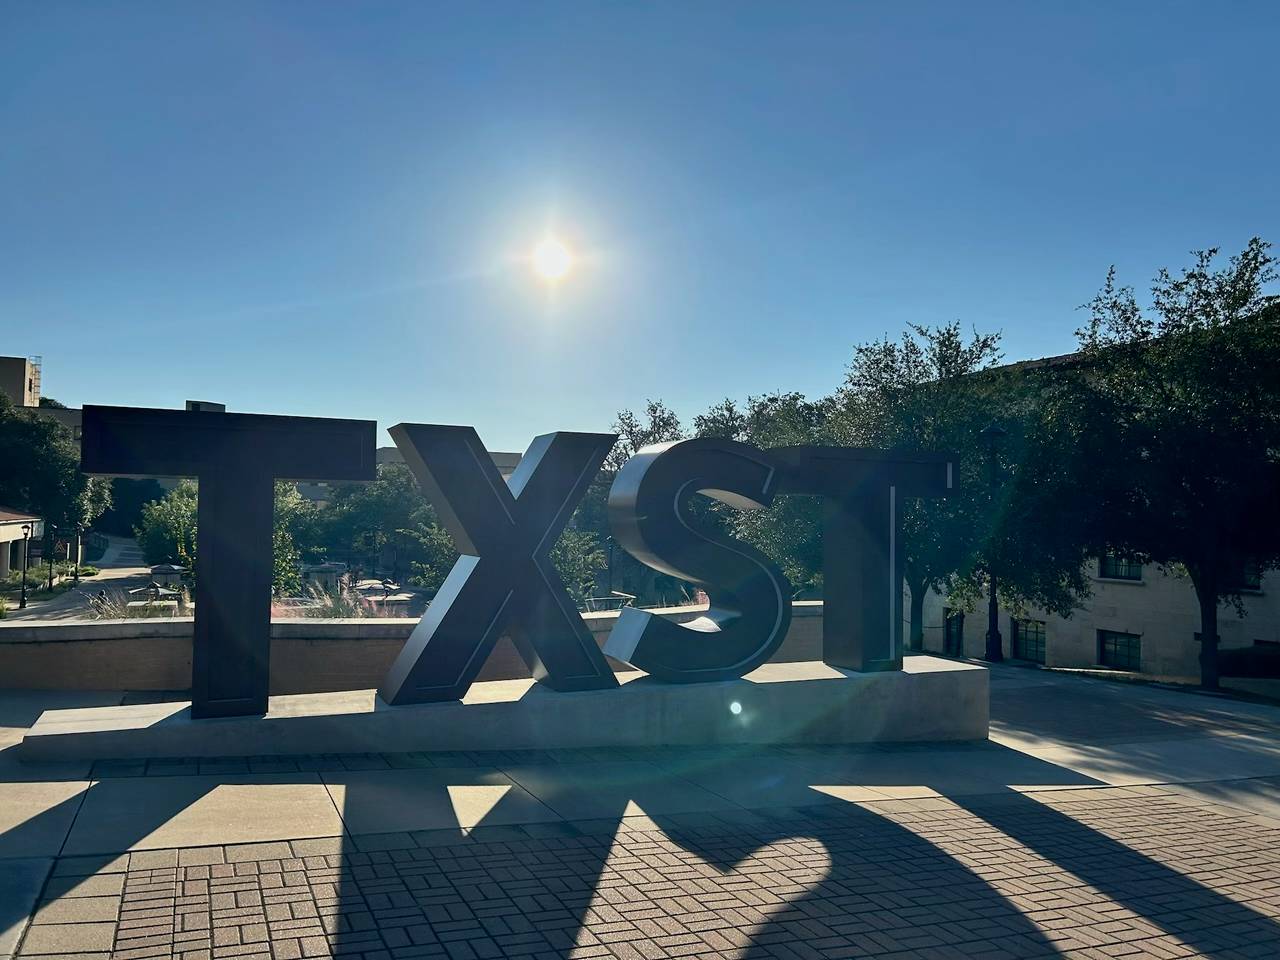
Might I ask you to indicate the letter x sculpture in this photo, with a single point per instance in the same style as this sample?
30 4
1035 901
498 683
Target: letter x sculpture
504 582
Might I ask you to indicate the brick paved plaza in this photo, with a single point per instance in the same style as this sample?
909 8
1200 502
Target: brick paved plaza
1102 820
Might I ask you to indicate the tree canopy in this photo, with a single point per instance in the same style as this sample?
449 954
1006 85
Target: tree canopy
1175 414
936 389
1159 441
42 472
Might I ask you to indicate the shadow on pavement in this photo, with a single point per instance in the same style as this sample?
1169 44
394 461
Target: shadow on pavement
844 876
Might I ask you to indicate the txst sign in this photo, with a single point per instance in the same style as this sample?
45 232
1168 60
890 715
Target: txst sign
505 583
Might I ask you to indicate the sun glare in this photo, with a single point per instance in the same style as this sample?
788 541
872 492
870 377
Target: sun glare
552 259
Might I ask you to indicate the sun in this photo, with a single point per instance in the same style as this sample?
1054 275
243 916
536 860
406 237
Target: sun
552 259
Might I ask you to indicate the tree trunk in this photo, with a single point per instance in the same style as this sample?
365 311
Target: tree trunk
1204 579
916 640
1208 638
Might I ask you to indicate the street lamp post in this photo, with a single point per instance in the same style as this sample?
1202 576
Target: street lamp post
26 537
992 434
609 541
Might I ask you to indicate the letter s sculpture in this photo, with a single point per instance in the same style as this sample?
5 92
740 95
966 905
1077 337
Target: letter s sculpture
653 518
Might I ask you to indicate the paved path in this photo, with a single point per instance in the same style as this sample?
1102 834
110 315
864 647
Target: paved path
122 568
121 552
1101 820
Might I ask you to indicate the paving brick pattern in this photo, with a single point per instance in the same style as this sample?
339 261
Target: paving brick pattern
1109 872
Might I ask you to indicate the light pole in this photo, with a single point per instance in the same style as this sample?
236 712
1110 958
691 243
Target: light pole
992 434
26 537
609 541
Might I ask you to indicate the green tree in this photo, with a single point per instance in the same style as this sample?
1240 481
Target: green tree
578 556
364 519
581 552
432 553
391 514
658 425
790 532
42 472
935 390
127 499
294 531
1177 413
166 530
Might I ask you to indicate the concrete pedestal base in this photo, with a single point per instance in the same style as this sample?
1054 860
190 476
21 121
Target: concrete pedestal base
930 699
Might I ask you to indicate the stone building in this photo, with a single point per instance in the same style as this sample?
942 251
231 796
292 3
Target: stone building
13 537
1140 618
20 380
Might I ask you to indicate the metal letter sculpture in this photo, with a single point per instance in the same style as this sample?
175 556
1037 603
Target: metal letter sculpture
649 511
505 580
861 562
236 458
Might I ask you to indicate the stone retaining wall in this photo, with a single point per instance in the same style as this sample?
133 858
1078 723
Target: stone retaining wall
307 656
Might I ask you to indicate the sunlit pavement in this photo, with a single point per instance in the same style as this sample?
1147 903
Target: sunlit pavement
1101 820
121 568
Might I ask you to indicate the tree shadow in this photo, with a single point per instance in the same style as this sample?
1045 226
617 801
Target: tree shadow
1134 711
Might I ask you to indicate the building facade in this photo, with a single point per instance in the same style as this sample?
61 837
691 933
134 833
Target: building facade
20 380
17 531
1140 619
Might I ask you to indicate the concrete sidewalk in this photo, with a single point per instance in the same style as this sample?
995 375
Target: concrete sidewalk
121 568
1100 819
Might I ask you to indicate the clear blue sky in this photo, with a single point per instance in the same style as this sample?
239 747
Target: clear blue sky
319 209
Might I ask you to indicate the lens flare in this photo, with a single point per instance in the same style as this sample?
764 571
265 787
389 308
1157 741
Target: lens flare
552 259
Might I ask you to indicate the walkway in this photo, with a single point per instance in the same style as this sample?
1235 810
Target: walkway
122 568
1101 820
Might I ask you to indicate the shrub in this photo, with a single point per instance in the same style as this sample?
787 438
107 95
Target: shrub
115 606
1260 660
341 604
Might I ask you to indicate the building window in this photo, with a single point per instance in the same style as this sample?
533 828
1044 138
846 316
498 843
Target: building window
1028 640
1249 579
1111 567
1120 650
952 632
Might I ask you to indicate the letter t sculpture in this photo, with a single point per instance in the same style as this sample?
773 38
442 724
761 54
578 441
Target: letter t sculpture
236 458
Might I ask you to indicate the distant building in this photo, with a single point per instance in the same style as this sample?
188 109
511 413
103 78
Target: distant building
12 536
20 380
1139 619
